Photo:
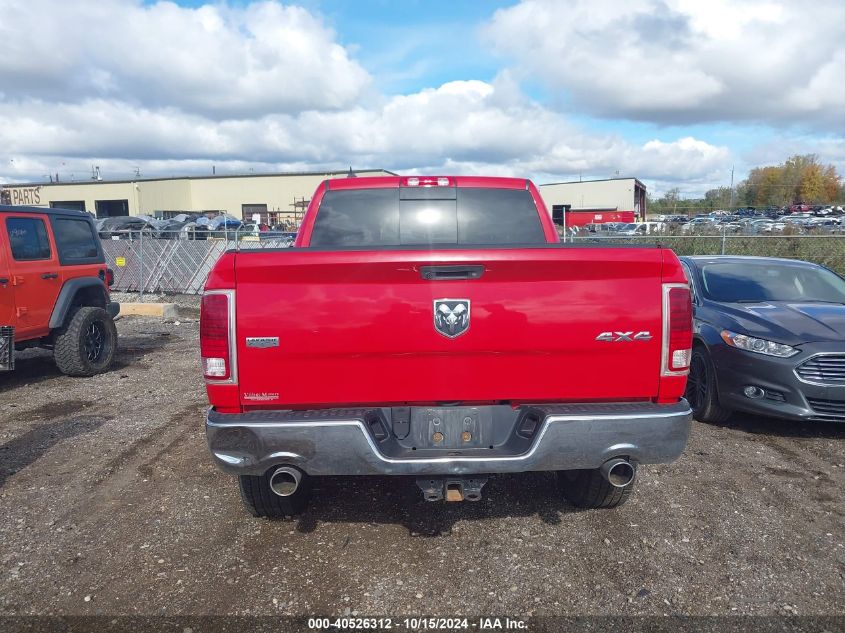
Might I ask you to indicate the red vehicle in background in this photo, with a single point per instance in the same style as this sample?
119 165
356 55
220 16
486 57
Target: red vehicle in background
54 289
799 208
436 327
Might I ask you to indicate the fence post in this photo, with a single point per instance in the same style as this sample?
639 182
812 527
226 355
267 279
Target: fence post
724 237
141 258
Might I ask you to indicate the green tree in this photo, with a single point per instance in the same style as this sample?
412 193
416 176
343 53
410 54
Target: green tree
718 198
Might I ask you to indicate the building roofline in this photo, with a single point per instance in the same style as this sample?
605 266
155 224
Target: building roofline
579 182
324 174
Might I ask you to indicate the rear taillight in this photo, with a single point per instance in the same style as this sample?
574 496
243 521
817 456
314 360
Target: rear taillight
217 335
677 330
106 275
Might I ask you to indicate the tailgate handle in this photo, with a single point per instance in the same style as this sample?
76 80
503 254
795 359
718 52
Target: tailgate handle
446 273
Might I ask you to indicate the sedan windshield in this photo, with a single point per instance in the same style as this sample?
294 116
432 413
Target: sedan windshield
733 283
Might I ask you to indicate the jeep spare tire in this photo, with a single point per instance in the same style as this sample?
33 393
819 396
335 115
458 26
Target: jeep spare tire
86 343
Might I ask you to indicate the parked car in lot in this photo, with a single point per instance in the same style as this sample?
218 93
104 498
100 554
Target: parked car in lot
759 225
699 224
800 208
436 327
641 228
729 224
54 289
122 227
282 238
769 338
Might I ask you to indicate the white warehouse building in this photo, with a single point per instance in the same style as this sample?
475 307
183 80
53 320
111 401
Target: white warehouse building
595 201
282 197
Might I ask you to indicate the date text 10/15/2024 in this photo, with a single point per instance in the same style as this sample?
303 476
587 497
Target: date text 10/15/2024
419 623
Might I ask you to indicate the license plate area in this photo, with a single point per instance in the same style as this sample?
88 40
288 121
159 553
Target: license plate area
453 428
488 431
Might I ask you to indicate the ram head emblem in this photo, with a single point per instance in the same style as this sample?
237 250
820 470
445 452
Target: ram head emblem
451 316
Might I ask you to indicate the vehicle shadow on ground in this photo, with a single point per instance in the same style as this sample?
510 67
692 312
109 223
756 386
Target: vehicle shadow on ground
36 365
761 425
27 448
398 500
136 346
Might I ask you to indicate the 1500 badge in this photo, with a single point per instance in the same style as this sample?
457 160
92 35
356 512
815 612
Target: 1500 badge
623 337
262 341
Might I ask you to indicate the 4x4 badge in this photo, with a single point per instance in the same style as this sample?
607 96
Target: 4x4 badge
451 316
623 337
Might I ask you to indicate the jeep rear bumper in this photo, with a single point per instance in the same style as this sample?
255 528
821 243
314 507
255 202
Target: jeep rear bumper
343 441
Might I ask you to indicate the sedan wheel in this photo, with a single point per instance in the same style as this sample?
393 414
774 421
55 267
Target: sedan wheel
696 392
701 389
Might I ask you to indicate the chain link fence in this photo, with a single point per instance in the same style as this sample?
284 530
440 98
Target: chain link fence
827 250
171 264
164 265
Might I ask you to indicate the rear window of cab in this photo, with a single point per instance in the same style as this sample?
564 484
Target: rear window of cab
427 217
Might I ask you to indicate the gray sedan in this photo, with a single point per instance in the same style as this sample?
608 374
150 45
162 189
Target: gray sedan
769 338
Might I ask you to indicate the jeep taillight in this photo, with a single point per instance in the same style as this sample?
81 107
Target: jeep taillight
217 337
106 275
677 330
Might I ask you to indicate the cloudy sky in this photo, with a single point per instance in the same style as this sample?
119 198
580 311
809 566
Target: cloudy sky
674 92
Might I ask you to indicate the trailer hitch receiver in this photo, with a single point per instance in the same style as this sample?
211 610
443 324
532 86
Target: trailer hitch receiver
452 488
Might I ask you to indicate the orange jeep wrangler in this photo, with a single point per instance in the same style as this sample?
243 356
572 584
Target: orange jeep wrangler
54 289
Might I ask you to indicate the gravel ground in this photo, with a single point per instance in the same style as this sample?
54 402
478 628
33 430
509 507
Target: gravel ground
111 505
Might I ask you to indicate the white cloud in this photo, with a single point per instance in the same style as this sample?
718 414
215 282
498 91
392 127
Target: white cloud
682 61
219 60
459 127
266 87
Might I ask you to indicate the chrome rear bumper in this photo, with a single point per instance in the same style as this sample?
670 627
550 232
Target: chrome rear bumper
338 442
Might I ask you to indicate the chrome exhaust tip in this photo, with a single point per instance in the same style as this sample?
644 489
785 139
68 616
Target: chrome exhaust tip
618 472
285 481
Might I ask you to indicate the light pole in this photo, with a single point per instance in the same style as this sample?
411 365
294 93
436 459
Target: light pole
731 204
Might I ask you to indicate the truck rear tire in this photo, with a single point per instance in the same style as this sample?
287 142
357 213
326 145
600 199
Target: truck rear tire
86 344
261 501
589 489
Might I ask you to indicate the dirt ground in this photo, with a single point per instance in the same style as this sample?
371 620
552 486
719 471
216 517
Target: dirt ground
111 505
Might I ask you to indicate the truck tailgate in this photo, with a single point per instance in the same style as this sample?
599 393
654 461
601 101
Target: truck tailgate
358 327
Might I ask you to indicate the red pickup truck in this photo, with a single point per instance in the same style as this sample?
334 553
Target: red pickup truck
436 327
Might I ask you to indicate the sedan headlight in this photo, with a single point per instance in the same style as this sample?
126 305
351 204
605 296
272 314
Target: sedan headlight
759 345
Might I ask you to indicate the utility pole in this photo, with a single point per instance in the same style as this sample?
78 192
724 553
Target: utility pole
732 188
